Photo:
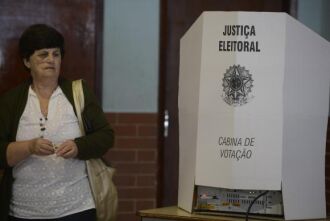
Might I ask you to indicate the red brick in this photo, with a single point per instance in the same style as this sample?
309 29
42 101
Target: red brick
135 158
136 168
135 143
126 206
144 118
124 180
115 155
112 118
146 155
125 130
146 130
137 193
149 180
128 217
145 204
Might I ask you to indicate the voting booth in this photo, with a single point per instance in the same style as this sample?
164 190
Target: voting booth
253 109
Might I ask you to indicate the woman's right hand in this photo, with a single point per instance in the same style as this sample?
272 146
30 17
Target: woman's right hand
40 146
20 150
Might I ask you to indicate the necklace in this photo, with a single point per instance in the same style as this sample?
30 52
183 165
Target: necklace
42 123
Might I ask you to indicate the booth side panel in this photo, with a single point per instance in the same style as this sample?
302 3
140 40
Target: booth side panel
190 64
306 102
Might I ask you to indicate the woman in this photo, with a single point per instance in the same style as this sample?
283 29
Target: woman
41 147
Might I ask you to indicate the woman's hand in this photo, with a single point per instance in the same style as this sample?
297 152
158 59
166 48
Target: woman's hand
68 149
41 147
20 150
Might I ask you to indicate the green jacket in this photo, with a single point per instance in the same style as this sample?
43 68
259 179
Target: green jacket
98 139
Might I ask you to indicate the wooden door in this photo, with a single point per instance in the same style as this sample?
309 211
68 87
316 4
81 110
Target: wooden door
80 22
176 17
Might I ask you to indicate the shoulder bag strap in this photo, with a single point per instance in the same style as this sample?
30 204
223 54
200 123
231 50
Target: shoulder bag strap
79 102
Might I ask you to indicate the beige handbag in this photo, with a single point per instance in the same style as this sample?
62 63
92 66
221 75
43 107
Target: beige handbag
99 174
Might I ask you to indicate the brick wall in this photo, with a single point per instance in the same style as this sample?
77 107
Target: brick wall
134 155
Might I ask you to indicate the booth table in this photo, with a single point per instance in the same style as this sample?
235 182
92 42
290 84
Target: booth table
174 213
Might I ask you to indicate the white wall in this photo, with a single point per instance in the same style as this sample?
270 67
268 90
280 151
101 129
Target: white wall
130 56
316 15
309 13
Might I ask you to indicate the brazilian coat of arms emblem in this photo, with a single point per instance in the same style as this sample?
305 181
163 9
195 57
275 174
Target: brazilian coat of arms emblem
237 86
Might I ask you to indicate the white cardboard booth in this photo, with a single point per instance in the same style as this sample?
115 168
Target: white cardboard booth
253 108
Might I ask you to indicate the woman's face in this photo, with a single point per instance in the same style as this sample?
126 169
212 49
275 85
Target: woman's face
44 63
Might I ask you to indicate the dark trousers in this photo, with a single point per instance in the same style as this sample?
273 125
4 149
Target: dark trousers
87 215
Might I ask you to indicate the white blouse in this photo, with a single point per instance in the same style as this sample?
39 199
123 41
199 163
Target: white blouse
48 187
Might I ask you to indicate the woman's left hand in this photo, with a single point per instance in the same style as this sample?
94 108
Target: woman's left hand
68 149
